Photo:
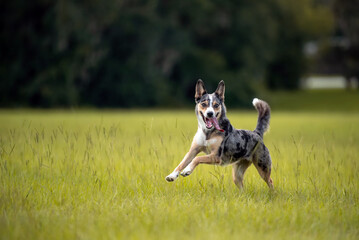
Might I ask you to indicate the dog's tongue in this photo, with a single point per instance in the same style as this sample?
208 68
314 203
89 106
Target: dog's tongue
215 124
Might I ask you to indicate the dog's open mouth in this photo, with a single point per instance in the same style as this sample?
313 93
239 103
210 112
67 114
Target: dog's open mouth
211 122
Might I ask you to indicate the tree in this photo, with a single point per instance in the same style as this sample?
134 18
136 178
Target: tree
346 13
299 21
146 53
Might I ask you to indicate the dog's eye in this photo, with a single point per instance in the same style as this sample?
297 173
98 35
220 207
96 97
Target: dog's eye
216 105
203 105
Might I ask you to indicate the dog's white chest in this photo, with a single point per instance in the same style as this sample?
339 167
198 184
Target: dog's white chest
200 139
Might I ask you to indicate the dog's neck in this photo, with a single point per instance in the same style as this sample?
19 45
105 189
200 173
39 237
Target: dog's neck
225 124
207 132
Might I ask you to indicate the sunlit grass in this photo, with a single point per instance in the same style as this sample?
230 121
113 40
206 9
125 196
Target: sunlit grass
100 175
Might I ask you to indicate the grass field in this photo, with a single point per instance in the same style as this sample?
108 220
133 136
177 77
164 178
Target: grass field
318 100
100 175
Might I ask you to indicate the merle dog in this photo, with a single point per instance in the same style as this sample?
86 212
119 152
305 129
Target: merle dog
224 144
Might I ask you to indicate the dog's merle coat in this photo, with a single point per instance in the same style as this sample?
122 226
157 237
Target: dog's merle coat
240 148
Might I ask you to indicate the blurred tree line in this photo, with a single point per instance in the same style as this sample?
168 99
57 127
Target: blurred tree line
126 53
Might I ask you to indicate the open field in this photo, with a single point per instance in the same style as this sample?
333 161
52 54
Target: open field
322 100
100 175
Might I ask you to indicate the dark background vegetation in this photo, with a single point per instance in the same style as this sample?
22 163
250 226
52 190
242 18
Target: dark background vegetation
136 53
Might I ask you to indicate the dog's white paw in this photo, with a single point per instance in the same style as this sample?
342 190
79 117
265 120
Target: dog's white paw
187 171
173 176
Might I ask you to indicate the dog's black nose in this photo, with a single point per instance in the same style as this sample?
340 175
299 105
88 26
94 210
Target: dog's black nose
210 114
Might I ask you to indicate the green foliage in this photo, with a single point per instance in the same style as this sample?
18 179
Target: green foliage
100 175
348 26
149 53
299 21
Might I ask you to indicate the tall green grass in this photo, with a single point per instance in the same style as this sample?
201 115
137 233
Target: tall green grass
100 175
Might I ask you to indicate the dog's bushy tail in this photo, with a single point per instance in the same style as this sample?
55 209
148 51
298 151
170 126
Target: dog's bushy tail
263 116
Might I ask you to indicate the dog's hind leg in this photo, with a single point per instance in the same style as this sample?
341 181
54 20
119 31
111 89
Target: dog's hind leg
238 172
264 165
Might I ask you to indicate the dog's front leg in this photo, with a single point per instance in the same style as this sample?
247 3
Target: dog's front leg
194 150
212 158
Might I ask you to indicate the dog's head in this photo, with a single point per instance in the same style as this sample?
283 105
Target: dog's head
209 107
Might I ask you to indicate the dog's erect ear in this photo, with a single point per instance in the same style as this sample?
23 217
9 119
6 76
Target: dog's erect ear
220 90
200 90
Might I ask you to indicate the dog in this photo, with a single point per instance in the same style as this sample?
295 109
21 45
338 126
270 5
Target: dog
224 144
